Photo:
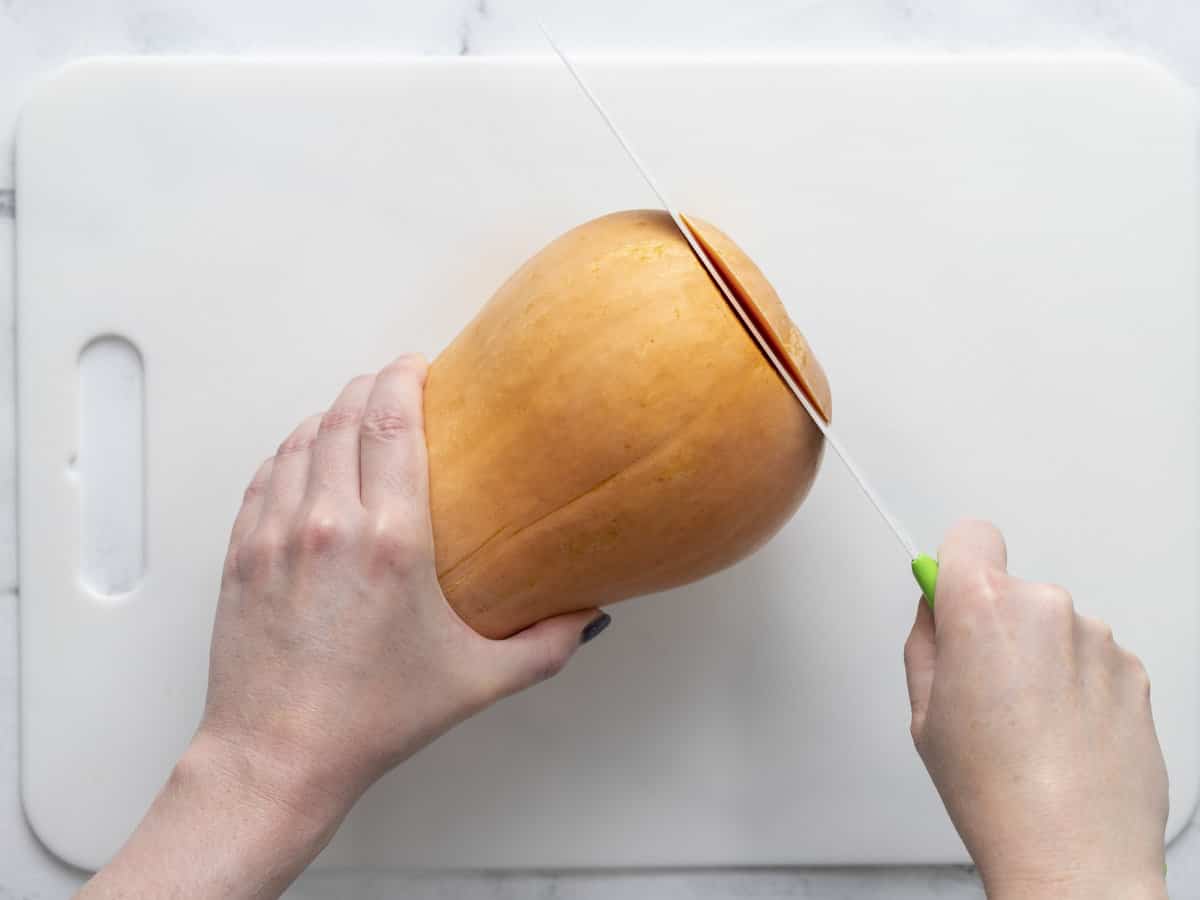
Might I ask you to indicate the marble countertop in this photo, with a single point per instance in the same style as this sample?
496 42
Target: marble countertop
36 36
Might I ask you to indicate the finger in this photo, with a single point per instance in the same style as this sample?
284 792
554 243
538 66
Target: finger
289 474
542 650
247 516
972 542
252 500
392 454
333 467
971 568
920 657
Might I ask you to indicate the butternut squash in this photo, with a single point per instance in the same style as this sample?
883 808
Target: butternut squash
606 428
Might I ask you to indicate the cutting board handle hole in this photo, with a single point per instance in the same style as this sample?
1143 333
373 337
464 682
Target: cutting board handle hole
110 465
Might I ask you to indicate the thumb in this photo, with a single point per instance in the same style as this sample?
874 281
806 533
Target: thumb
542 650
920 656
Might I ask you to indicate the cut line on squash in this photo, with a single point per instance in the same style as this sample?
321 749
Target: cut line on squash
746 301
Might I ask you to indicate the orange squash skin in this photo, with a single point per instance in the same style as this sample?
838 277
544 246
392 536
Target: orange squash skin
606 428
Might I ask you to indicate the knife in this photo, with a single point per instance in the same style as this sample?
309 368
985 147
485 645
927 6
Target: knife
924 568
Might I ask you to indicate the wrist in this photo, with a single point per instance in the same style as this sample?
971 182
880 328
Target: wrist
278 803
228 823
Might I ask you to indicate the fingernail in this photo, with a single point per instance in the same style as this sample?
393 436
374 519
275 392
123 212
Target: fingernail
594 627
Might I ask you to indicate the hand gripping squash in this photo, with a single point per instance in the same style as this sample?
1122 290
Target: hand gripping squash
605 427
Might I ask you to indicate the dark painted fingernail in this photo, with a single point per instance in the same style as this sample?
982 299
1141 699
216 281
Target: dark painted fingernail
594 627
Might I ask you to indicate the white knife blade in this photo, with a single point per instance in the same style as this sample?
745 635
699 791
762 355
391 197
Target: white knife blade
910 548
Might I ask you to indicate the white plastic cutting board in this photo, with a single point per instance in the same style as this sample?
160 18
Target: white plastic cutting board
994 258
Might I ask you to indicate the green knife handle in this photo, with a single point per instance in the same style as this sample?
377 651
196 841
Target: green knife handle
925 570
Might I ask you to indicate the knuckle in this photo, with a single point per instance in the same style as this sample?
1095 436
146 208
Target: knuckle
320 532
1098 629
339 417
257 552
296 442
400 549
388 423
1056 600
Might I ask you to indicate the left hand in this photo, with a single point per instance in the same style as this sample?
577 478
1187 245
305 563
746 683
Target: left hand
335 655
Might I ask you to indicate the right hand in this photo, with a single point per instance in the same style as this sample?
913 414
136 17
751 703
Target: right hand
1036 729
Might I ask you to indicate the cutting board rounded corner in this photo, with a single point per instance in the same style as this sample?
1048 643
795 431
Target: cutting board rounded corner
47 831
1157 75
51 91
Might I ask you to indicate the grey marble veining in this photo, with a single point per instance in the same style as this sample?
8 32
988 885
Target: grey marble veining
36 37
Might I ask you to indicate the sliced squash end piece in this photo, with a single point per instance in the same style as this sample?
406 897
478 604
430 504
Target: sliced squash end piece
753 311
